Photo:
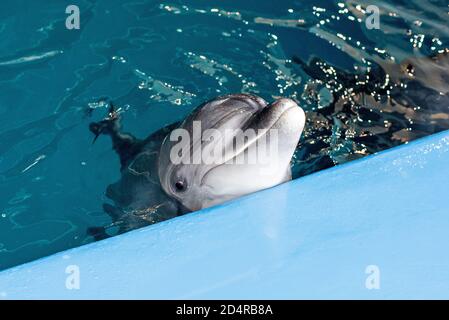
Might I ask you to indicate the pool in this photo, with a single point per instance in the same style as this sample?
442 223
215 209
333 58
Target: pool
158 61
307 239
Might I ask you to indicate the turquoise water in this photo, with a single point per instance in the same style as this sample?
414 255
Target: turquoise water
157 61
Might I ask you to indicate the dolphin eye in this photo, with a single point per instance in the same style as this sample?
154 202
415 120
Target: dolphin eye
180 186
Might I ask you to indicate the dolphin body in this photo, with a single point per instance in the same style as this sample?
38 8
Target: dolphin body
153 187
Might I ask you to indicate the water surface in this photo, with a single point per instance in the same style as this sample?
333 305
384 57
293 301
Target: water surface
158 61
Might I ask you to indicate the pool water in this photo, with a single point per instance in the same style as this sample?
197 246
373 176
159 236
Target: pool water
158 61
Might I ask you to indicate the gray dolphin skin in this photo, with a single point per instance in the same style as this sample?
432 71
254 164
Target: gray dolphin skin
154 188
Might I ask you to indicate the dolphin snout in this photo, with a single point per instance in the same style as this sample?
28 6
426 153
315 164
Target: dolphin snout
288 115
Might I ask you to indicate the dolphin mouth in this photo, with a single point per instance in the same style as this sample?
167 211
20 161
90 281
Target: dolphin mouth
283 116
283 113
268 117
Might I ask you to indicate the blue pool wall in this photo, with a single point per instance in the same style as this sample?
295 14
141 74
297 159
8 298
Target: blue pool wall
320 236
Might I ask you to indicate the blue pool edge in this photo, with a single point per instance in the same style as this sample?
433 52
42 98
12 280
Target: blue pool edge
320 236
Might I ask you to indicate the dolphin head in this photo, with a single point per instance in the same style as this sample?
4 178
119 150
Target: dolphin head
228 147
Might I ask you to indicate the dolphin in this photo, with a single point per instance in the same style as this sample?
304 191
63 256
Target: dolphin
160 178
